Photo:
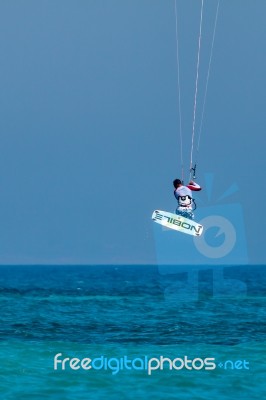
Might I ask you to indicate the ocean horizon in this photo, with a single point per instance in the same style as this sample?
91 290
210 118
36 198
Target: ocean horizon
149 332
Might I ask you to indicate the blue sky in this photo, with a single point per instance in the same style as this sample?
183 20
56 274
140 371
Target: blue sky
89 122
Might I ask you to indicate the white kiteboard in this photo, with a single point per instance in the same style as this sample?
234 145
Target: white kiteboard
177 222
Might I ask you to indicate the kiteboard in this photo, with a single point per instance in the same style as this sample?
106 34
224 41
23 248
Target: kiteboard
177 222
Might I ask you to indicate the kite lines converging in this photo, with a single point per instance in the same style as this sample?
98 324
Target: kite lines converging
193 159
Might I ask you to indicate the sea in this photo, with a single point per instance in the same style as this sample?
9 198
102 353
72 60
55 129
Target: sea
132 332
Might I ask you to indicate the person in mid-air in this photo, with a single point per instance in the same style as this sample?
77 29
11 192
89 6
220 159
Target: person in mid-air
185 201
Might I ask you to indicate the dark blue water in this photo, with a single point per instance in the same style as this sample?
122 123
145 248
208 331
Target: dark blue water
108 312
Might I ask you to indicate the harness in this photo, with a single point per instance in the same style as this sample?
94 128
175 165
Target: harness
186 202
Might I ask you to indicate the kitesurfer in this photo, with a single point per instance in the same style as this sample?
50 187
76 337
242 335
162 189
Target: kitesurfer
183 194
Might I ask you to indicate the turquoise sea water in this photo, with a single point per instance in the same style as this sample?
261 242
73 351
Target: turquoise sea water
133 313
